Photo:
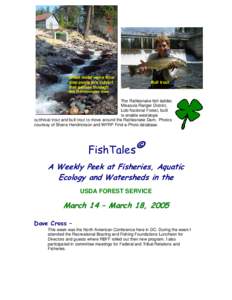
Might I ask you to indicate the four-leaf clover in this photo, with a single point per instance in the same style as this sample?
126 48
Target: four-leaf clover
188 111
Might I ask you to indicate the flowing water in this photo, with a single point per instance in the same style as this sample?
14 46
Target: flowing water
45 104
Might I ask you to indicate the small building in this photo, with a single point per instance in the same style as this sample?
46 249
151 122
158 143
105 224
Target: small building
47 21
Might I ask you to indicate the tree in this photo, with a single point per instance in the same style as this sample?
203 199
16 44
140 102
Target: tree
40 11
67 15
61 21
87 26
108 12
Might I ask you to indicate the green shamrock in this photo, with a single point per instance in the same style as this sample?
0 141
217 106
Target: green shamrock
188 111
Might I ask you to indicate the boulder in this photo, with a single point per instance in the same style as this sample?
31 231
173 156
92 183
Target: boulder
98 62
95 98
47 75
54 60
107 54
62 97
78 61
43 48
107 107
52 53
87 51
84 55
64 68
67 53
79 105
73 111
89 69
62 64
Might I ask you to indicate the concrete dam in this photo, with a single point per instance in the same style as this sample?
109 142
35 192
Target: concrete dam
191 42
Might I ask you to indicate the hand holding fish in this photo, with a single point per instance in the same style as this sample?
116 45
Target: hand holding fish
172 66
143 69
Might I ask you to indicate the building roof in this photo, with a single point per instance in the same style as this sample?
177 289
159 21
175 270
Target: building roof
43 17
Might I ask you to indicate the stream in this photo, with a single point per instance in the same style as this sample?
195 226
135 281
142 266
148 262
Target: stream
45 104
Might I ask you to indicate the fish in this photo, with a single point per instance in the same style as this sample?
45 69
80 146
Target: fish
177 73
158 64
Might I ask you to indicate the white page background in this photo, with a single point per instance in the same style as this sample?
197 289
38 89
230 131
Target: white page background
201 196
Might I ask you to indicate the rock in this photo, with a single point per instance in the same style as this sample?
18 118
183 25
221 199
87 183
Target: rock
62 64
62 97
43 48
81 98
54 53
47 75
54 60
87 51
98 62
78 61
107 107
95 98
65 69
89 69
84 56
68 54
78 104
73 111
106 54
89 104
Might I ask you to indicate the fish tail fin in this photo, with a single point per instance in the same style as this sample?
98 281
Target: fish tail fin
132 70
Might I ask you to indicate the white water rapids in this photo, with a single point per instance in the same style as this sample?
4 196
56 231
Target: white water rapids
44 102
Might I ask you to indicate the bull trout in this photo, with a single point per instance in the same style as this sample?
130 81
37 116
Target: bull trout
159 64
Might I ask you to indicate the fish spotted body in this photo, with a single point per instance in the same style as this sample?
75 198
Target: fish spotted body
158 64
